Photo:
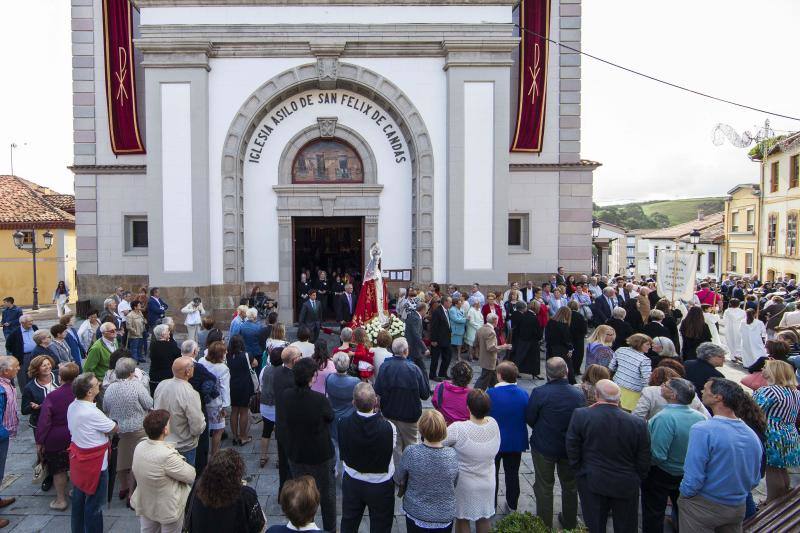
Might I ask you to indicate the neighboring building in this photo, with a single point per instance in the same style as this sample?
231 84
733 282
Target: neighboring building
780 205
28 207
710 247
287 134
638 253
742 215
610 250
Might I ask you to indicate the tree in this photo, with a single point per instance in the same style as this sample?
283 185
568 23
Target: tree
660 220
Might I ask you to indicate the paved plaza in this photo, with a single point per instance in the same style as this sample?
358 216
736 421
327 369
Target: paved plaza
31 512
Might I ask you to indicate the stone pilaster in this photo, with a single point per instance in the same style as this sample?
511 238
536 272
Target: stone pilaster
84 132
575 186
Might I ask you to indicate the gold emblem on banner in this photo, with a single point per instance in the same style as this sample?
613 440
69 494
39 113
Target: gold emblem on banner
121 75
533 92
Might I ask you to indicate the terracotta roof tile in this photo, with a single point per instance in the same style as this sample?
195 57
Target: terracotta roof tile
681 230
65 202
24 204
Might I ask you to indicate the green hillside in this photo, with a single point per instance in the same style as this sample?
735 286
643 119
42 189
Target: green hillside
658 213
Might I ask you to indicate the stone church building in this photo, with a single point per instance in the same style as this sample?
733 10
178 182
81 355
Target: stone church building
280 134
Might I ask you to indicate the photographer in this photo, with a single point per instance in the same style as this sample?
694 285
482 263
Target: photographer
193 311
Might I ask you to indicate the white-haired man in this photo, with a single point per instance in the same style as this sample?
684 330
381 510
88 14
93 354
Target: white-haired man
609 465
402 386
9 423
97 360
20 344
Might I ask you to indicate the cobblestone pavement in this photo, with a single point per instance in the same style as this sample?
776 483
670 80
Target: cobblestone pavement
31 512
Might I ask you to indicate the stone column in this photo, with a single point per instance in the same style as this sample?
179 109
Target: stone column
575 186
178 71
478 103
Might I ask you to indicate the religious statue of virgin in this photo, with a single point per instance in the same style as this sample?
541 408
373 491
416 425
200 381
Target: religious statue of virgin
372 301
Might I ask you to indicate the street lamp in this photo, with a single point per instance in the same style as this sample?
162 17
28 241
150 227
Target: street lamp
595 228
694 238
19 242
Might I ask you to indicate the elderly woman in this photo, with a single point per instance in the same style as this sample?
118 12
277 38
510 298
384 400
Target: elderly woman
347 346
474 323
59 347
163 351
450 397
41 382
267 407
111 374
780 401
126 401
665 349
476 442
458 326
218 407
250 330
556 301
652 400
491 306
52 434
631 368
598 351
87 330
43 340
429 506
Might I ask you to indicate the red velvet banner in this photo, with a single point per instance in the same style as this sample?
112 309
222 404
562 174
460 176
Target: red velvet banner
534 16
120 84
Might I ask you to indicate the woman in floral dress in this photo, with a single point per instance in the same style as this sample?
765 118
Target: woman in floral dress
780 401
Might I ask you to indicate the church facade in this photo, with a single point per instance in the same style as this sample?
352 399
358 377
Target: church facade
280 134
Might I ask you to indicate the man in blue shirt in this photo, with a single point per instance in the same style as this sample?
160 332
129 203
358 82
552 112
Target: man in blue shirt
722 465
20 344
11 316
550 409
669 438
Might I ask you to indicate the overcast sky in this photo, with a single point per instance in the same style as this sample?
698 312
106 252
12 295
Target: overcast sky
653 141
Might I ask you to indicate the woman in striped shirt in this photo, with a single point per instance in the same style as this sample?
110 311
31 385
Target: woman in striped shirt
631 368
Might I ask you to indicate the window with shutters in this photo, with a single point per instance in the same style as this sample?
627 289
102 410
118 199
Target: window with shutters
791 233
773 177
794 171
772 233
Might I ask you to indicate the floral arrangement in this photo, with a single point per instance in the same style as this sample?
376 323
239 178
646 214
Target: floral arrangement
394 326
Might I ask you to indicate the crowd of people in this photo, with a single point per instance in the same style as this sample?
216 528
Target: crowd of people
628 408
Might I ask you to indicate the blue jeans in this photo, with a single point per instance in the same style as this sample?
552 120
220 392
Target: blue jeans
87 509
189 455
750 506
136 347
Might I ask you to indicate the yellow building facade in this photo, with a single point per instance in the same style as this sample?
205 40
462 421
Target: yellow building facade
28 207
742 216
780 209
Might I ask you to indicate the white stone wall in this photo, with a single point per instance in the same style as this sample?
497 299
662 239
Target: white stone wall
120 195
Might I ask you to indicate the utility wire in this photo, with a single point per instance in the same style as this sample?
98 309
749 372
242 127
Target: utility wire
659 80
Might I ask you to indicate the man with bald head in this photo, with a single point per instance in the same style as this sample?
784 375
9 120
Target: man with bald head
609 449
283 379
177 396
366 443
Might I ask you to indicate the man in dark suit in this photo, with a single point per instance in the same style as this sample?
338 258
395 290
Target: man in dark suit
528 292
561 279
20 343
345 306
609 450
738 291
603 305
311 314
416 348
156 308
440 340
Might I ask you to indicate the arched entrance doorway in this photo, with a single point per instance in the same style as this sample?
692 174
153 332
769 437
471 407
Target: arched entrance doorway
320 198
